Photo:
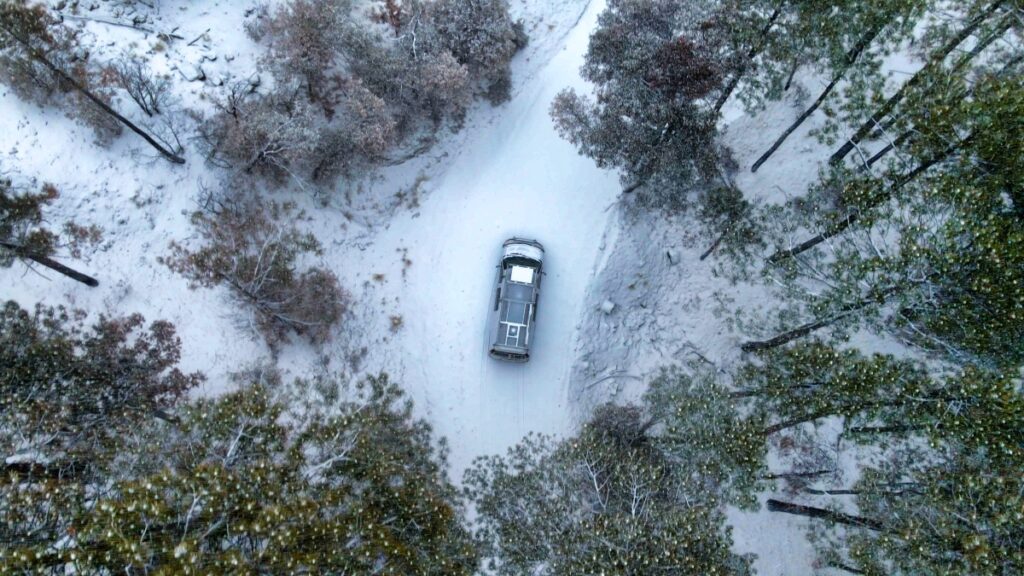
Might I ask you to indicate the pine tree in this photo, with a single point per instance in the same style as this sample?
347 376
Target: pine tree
236 484
69 396
611 499
934 258
699 429
651 117
256 258
946 495
985 17
847 40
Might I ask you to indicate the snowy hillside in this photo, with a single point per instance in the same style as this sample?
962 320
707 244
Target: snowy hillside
434 158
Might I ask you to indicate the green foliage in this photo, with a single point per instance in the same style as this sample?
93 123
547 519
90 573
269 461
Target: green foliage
765 42
69 391
701 432
609 500
954 506
238 489
934 256
733 223
813 380
69 395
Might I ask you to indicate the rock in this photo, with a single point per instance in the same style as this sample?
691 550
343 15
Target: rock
673 256
198 74
607 306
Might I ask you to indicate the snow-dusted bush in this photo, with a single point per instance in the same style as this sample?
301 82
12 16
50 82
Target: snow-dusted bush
481 35
272 134
372 80
256 258
306 38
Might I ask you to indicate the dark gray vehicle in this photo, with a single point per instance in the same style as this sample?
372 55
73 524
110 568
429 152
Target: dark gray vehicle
515 301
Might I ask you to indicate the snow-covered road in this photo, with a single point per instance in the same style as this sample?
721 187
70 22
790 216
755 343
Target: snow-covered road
513 177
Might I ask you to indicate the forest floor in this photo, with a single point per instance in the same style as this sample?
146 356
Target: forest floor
416 244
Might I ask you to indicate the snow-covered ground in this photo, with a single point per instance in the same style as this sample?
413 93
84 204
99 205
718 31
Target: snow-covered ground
417 243
427 258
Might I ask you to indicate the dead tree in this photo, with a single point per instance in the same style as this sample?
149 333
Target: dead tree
65 77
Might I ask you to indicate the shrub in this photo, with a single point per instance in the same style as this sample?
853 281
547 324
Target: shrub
256 259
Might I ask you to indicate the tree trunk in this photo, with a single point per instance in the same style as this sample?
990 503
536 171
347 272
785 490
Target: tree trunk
787 475
713 246
848 492
780 426
171 156
896 429
830 515
888 148
846 310
845 568
851 58
878 199
789 336
671 128
789 79
918 77
755 49
964 95
804 418
20 252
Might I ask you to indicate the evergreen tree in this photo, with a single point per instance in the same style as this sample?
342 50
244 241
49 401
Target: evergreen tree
611 500
946 495
23 235
651 117
847 40
986 19
69 395
934 259
812 380
238 485
256 258
698 429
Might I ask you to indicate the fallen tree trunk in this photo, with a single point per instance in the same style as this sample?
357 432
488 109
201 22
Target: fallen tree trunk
52 264
171 156
829 515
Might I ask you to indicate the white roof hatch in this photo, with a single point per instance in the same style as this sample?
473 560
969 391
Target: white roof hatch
522 274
